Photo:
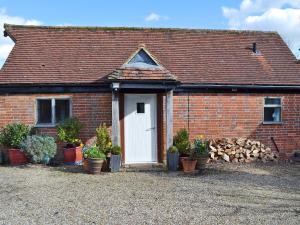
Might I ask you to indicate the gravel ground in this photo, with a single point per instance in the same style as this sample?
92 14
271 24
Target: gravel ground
221 194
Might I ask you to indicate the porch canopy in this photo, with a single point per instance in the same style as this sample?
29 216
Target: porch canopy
142 78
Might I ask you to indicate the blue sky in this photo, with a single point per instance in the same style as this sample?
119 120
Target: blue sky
279 15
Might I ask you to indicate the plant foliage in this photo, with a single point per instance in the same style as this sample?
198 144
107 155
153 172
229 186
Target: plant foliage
38 147
116 150
173 149
94 152
181 141
103 140
12 135
200 146
68 131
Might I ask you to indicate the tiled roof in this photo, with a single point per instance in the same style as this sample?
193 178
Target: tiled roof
141 74
52 55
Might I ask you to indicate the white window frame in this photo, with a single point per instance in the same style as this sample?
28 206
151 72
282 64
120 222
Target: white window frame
53 100
272 106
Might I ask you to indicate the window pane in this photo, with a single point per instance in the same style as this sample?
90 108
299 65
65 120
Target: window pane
140 107
272 101
44 111
272 114
62 110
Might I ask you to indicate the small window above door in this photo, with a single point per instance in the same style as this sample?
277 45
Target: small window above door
140 107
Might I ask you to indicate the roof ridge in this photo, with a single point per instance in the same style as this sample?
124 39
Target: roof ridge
7 26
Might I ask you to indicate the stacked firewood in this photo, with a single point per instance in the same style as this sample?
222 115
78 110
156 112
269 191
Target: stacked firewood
240 150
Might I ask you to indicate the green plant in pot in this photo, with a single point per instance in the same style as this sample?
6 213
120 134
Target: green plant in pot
40 148
115 158
11 136
95 158
172 158
182 143
189 163
103 142
201 153
68 132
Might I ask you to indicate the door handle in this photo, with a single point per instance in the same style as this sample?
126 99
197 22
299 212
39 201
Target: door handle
151 128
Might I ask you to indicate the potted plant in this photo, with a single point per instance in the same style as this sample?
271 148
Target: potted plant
11 137
68 132
189 163
40 148
201 153
182 143
95 159
115 158
103 142
85 161
172 158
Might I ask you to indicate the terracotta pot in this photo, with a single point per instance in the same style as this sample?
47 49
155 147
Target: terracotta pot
181 158
189 165
17 157
86 165
95 165
73 156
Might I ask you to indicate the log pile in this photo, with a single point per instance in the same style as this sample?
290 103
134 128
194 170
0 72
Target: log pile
240 150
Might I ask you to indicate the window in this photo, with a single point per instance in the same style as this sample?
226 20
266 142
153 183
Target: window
272 110
52 111
141 60
140 107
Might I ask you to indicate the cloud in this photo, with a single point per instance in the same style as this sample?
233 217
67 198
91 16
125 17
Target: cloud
155 17
282 16
6 44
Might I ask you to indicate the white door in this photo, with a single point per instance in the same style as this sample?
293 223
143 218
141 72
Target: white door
140 128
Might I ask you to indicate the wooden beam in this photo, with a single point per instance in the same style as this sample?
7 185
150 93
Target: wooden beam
115 126
169 118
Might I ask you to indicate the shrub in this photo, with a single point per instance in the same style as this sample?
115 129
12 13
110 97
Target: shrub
200 146
103 138
116 150
68 131
12 135
181 141
173 149
93 152
39 147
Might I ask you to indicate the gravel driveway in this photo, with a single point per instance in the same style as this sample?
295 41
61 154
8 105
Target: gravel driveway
222 194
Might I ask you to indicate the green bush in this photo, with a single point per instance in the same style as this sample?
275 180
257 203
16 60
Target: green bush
68 131
93 152
116 150
181 141
39 147
12 135
173 149
103 141
200 146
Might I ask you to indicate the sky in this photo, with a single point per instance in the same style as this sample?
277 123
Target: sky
282 16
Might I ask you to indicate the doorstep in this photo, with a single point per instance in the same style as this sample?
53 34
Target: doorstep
143 167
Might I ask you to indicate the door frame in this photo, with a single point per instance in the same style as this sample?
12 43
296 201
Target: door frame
159 121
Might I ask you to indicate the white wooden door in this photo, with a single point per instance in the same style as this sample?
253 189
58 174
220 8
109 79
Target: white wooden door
140 128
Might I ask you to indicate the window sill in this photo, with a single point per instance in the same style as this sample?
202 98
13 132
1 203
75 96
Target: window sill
272 123
45 125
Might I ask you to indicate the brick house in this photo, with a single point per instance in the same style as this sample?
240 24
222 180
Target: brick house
148 83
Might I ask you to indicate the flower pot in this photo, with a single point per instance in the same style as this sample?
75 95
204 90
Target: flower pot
85 165
95 165
115 163
17 157
1 157
201 161
181 158
73 156
172 161
189 165
45 160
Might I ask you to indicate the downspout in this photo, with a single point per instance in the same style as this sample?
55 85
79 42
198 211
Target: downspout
188 112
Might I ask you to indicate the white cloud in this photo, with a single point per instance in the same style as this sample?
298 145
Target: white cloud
6 44
155 17
282 16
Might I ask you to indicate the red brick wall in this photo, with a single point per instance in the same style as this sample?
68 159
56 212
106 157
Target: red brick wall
92 109
214 115
238 115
